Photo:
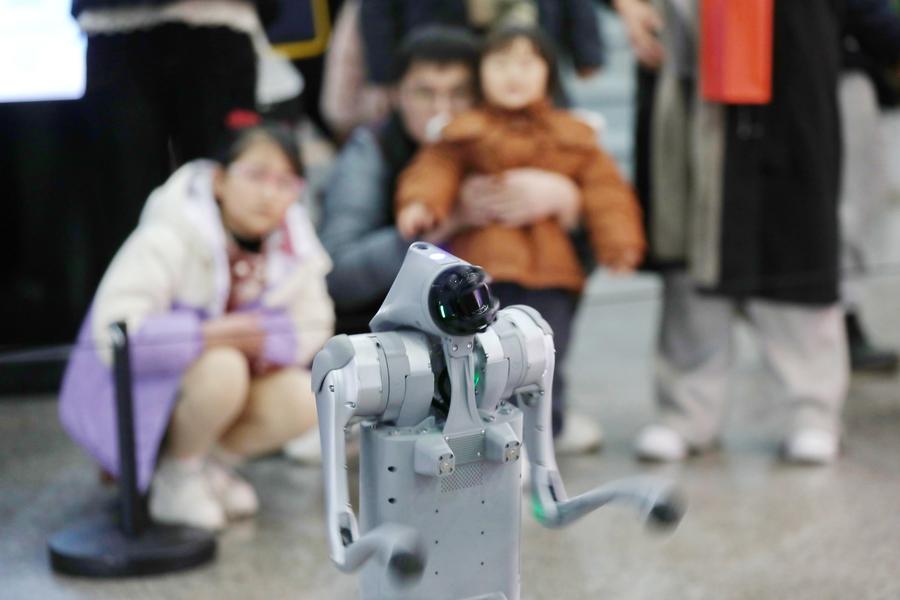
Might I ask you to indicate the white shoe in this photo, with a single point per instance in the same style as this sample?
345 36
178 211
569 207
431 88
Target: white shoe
580 435
180 495
236 496
307 449
660 443
812 447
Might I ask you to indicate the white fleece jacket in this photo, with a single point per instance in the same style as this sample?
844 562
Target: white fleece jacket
173 272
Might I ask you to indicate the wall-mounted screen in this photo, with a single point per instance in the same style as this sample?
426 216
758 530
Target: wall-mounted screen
41 51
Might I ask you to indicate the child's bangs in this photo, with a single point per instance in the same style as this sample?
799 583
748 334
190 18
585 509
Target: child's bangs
502 39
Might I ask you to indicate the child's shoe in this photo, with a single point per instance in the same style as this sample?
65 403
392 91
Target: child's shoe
307 448
236 495
580 435
659 443
180 495
812 447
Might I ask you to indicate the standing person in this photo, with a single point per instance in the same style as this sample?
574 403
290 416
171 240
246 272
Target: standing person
516 127
303 33
161 77
863 94
435 78
222 288
750 211
347 100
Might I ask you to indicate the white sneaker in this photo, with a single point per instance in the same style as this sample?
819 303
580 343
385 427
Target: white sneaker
307 449
661 444
811 447
180 495
580 435
236 496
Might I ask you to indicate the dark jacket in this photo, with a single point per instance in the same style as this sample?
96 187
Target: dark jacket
80 5
778 220
357 222
887 85
268 9
572 24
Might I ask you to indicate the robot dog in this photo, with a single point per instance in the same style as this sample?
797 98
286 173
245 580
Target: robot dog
441 389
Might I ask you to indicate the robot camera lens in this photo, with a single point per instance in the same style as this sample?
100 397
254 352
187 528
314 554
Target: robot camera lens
475 301
461 302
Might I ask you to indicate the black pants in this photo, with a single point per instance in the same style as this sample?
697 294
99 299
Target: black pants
558 309
155 99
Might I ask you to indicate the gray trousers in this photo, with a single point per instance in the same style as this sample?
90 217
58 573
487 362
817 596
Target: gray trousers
805 347
864 183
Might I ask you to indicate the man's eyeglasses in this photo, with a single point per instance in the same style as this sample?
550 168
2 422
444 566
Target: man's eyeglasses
427 96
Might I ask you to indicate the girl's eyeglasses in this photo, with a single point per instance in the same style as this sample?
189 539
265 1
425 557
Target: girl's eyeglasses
283 183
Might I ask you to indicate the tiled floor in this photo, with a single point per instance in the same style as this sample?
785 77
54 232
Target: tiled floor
754 529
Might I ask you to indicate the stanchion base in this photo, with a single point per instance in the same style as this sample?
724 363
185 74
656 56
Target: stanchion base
97 548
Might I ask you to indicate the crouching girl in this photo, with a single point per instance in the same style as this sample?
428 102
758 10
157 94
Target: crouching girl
222 288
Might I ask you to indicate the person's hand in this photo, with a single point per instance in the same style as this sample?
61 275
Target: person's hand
519 197
376 102
644 25
621 260
240 330
444 231
477 196
414 220
531 195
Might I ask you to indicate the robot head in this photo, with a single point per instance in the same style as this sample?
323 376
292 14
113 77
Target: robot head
437 293
460 301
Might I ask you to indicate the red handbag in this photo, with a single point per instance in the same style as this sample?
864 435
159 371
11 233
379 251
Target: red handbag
736 51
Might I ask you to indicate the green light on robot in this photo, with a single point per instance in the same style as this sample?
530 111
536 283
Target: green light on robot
537 508
477 378
443 314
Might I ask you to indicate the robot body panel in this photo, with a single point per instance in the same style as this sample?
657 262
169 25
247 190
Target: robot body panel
467 519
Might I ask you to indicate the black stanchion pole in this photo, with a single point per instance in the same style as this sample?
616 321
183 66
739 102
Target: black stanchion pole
111 545
129 501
